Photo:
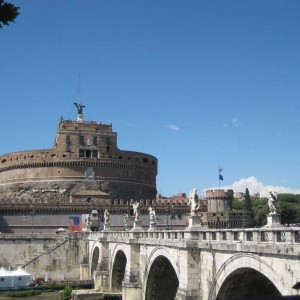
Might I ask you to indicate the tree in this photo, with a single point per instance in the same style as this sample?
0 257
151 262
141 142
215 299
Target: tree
247 201
8 13
260 210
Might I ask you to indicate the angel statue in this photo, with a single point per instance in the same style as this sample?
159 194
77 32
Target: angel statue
151 214
79 107
106 217
194 202
271 202
136 210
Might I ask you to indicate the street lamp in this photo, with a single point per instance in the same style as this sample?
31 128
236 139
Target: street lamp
32 212
167 212
172 216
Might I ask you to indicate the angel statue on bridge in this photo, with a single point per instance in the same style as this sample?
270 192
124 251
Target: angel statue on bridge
271 202
136 210
106 217
152 215
194 202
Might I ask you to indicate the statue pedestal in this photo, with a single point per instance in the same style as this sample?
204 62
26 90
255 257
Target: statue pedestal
79 118
273 221
137 225
194 223
152 226
106 227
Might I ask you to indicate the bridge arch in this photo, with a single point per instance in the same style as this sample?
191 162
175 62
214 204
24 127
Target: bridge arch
161 277
242 271
118 267
95 258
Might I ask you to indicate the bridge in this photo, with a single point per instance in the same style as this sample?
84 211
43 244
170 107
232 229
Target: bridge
205 264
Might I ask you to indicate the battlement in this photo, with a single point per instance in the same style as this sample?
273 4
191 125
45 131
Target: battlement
91 126
219 194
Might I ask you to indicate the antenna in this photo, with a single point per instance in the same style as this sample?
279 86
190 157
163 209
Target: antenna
78 87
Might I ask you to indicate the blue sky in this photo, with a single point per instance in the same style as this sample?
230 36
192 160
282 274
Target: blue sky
198 84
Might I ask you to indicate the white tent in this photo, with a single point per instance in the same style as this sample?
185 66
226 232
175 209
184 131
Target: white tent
13 279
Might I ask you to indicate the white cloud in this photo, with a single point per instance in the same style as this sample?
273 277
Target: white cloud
172 127
256 186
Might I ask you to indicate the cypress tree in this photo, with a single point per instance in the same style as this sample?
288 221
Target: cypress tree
247 201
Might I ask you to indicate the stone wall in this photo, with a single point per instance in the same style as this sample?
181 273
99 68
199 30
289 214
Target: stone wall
55 257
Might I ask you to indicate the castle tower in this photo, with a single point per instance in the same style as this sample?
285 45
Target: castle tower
219 211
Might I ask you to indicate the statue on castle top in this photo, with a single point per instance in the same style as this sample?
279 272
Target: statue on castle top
194 202
106 217
136 210
152 214
271 202
79 107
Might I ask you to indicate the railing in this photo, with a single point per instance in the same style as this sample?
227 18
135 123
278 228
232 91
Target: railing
251 235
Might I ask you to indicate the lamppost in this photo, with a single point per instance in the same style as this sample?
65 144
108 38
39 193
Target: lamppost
32 212
172 216
167 212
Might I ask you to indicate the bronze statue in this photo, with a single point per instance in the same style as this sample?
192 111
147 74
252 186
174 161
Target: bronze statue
79 107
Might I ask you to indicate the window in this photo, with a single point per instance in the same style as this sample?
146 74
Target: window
1 279
81 153
81 140
145 160
95 142
19 278
68 140
86 153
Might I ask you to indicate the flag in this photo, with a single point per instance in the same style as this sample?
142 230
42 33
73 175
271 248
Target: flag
220 176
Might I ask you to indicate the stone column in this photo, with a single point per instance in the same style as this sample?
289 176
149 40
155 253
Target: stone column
137 225
152 226
84 271
131 286
101 275
273 220
194 223
189 276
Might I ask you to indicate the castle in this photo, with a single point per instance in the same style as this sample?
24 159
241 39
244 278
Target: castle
85 170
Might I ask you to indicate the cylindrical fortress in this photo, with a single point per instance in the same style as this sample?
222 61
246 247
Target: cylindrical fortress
85 156
219 200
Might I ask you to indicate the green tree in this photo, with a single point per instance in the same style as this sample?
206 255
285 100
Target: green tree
260 210
8 13
66 293
289 208
237 204
247 201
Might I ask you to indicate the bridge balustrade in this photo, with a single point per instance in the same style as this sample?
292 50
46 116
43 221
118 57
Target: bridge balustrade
255 235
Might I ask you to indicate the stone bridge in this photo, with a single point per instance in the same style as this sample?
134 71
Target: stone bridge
205 264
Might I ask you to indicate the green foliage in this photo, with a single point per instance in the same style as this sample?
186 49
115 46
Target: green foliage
247 201
289 208
66 293
8 13
260 210
22 293
237 204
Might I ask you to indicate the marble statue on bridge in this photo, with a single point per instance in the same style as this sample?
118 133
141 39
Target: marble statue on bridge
152 215
194 202
271 202
125 221
106 217
136 210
